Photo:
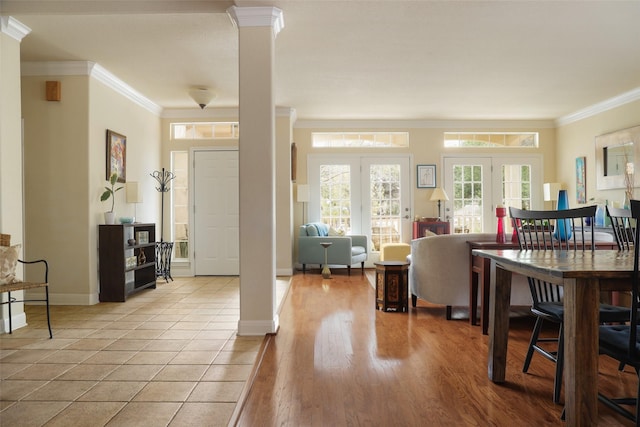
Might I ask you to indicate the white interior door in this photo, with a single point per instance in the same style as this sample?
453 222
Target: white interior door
216 216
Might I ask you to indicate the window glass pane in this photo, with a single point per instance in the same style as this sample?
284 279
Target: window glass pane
180 204
385 204
491 139
335 196
205 130
467 199
358 139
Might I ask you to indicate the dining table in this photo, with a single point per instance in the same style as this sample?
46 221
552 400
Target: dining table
583 275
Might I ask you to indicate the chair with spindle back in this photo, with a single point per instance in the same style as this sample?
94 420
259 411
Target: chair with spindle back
622 342
559 230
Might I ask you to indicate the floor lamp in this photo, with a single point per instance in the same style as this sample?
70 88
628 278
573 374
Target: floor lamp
303 197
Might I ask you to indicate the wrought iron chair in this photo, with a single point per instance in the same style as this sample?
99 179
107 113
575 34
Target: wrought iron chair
561 230
622 342
5 240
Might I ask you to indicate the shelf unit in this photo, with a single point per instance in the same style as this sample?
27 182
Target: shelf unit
117 279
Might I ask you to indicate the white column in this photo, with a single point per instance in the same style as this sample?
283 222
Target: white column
258 28
12 32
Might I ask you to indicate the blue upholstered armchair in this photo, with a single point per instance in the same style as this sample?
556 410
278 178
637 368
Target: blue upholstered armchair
344 250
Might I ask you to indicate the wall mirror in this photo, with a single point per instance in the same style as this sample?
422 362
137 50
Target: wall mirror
617 153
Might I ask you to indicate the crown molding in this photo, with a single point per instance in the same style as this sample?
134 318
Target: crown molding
425 124
257 17
13 28
111 81
600 107
88 68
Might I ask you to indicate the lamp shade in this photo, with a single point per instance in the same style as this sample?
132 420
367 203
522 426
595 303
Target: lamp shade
303 193
134 195
202 96
551 190
439 194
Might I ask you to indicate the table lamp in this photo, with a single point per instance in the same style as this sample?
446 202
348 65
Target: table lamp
439 194
134 195
551 190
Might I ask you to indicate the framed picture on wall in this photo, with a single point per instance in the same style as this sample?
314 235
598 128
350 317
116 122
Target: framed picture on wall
426 176
116 155
581 180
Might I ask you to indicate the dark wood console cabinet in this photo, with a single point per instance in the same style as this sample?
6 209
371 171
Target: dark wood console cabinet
437 227
118 244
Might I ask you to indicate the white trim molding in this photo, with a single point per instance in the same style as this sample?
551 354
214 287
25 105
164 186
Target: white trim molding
600 107
257 17
424 124
88 68
13 28
258 327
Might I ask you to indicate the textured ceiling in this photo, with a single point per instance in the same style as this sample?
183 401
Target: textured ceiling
357 59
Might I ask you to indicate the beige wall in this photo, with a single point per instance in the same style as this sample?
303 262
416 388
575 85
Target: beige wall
578 139
65 173
426 147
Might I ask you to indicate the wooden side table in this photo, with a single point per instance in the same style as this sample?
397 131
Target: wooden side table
392 281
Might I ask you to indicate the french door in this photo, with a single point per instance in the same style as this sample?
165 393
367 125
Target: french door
476 185
368 195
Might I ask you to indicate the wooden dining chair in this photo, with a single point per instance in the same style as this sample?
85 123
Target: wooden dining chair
622 341
537 230
623 227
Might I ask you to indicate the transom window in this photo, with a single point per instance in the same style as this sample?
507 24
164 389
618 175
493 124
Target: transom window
360 139
491 139
205 130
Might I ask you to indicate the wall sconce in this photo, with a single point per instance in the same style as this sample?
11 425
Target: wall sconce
439 194
550 190
134 195
202 96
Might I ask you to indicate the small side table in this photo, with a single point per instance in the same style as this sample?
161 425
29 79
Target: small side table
326 271
392 280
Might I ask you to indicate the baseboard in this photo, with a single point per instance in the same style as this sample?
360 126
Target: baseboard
258 327
18 321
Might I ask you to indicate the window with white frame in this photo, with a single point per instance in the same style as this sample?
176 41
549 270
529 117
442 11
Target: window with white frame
491 139
180 204
205 130
360 139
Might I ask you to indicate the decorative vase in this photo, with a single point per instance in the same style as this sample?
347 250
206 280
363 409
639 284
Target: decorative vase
501 212
563 226
109 217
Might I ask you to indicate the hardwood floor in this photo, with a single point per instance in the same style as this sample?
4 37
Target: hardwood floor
337 361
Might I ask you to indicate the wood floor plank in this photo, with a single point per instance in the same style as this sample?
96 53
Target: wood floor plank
336 361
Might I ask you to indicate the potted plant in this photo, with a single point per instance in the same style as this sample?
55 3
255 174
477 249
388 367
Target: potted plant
110 216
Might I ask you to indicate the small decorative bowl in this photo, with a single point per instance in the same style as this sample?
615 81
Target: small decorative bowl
126 219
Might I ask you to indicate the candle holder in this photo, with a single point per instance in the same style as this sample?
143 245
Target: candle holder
501 212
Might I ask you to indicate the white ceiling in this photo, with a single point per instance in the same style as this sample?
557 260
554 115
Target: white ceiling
356 59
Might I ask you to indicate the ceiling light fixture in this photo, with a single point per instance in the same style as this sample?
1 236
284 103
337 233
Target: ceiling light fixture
202 96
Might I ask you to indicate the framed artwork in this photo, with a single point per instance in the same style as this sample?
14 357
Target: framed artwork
616 155
581 180
116 155
426 176
142 237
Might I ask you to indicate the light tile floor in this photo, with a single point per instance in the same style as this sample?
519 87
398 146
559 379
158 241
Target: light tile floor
167 356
